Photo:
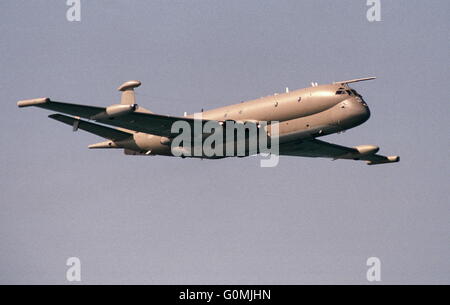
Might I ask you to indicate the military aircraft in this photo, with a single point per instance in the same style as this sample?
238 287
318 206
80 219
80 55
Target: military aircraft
301 116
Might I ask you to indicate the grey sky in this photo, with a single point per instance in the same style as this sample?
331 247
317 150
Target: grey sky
159 220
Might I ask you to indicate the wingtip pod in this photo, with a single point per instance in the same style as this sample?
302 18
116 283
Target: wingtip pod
389 159
32 102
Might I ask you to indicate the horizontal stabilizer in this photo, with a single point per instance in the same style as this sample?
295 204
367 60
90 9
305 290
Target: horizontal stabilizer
33 102
102 131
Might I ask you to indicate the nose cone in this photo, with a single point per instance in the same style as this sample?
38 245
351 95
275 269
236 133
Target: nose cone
354 112
360 112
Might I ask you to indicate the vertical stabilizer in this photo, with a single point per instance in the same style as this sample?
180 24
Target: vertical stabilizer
128 96
127 89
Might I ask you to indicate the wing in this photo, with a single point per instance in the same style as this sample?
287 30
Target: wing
102 131
138 121
316 148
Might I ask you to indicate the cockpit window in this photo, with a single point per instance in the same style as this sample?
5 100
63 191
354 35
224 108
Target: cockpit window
350 92
356 93
340 92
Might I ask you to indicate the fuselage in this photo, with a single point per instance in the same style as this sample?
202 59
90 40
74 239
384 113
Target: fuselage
304 113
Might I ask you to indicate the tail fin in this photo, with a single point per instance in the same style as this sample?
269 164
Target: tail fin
128 96
127 89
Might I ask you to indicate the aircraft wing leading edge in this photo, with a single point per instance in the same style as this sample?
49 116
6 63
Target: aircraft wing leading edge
320 149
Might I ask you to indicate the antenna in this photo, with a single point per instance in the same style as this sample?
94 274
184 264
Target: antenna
355 80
